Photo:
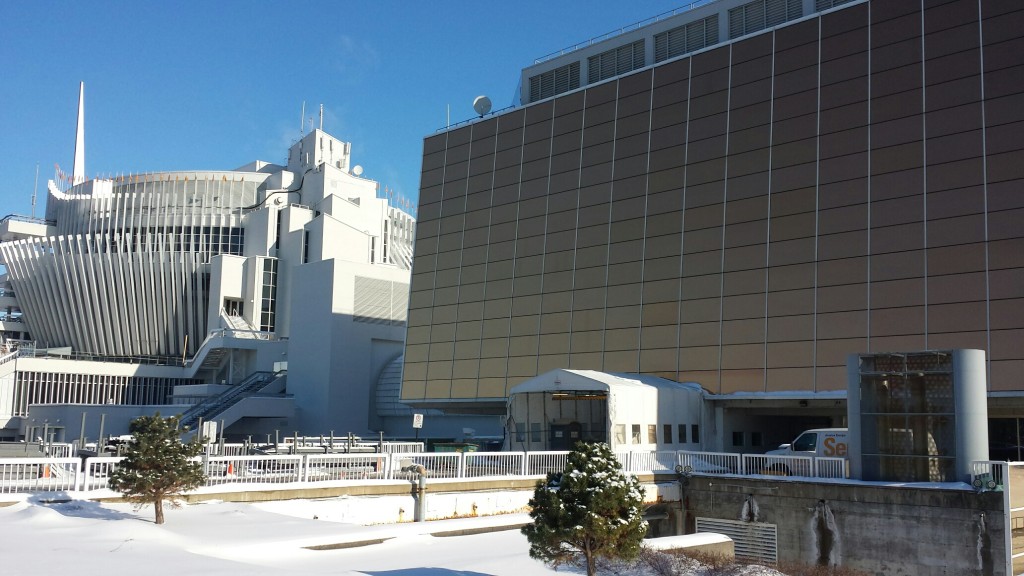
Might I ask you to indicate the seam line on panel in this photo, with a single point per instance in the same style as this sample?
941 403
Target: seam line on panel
984 180
817 213
682 223
725 202
924 176
643 250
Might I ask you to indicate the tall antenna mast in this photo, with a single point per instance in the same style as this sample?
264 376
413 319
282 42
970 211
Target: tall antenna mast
321 117
35 187
302 120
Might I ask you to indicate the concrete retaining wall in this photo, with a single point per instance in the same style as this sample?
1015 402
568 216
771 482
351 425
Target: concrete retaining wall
890 530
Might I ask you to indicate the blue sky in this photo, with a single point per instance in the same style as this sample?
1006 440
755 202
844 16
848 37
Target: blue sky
214 85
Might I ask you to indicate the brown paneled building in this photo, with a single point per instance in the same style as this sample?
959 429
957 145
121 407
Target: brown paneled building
740 196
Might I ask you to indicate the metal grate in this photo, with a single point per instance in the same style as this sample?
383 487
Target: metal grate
686 38
752 540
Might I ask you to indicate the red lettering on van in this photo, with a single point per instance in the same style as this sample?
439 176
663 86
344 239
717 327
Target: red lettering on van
834 448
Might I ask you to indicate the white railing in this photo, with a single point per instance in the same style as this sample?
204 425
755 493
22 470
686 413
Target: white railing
18 475
777 465
221 470
654 462
478 464
47 474
97 472
325 467
988 475
540 463
831 467
709 462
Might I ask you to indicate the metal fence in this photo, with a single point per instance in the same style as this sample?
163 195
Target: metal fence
26 475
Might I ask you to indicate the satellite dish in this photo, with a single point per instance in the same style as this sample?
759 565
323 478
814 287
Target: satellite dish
357 170
482 105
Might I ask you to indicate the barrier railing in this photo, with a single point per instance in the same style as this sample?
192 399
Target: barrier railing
19 475
777 465
831 467
26 475
710 462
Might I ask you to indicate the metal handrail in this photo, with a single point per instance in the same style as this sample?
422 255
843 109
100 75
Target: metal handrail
622 30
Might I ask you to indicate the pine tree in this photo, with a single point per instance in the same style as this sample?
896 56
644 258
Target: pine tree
592 509
157 464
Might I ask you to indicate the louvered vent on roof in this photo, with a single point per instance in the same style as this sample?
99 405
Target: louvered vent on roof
615 61
557 81
820 5
761 14
686 38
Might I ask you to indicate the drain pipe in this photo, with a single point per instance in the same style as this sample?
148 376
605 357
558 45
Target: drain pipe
419 489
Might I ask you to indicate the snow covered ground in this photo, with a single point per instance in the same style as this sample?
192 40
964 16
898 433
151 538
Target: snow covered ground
223 538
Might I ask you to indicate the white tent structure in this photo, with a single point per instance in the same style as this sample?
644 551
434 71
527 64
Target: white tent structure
628 411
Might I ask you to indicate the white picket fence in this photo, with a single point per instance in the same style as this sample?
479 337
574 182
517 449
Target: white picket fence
27 475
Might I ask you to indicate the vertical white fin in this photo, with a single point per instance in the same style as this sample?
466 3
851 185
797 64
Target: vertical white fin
78 171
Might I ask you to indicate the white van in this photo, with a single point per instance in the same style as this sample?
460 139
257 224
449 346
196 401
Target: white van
827 442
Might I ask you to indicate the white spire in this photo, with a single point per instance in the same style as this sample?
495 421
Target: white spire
78 170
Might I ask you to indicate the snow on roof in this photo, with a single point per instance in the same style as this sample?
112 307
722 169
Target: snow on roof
564 379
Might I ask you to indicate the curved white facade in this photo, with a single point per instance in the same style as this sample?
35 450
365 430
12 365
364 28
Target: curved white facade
127 272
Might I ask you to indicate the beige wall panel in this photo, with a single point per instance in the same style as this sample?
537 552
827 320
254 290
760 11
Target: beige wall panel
898 343
1007 344
791 302
586 361
780 379
843 298
791 328
621 361
696 358
1007 314
844 325
959 317
547 362
830 378
413 389
1006 375
742 381
897 265
790 354
659 360
491 388
743 331
743 356
898 321
834 352
464 388
969 340
439 389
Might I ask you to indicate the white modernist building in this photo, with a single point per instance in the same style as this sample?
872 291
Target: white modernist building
280 291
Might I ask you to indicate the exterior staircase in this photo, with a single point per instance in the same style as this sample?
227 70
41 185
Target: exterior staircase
212 407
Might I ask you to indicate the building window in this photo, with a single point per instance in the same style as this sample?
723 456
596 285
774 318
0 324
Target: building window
535 432
682 433
520 432
667 432
268 296
737 439
652 434
620 434
552 82
636 434
695 434
756 439
615 61
761 14
686 38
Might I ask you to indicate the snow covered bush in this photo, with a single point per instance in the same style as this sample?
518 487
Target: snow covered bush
591 510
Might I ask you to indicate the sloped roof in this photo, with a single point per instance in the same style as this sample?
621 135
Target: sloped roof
564 379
